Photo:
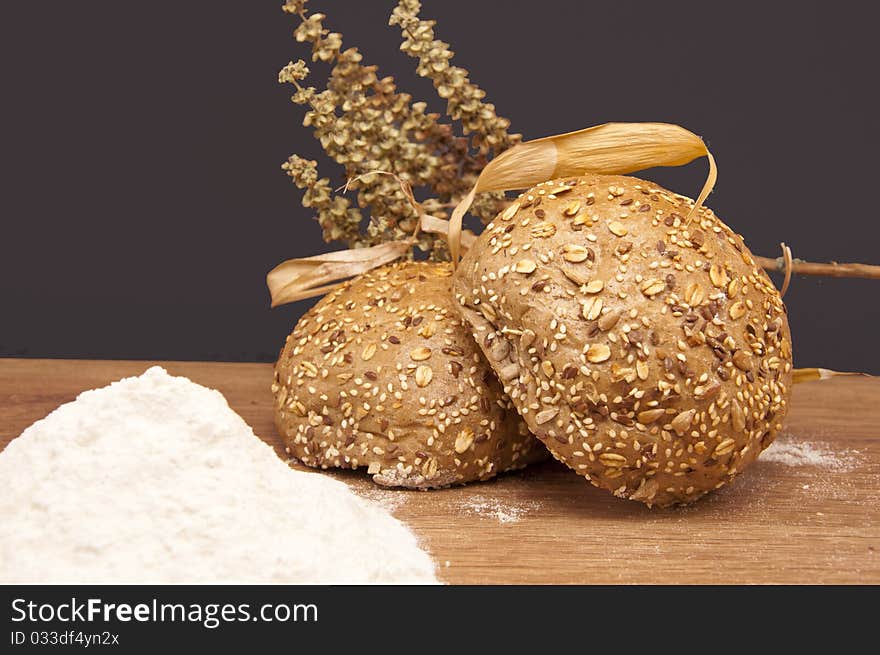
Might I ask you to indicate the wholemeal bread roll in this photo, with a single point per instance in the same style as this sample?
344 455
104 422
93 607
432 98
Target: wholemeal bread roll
382 373
650 355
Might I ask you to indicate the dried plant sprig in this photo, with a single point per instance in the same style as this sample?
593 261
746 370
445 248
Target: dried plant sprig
294 6
826 269
464 103
464 98
339 221
365 124
352 139
355 118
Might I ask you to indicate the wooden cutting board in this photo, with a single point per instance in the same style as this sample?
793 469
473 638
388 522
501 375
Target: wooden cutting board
808 514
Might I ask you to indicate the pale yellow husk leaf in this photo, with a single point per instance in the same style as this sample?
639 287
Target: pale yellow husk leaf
611 148
296 279
799 375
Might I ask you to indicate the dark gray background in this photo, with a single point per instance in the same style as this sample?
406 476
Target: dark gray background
143 201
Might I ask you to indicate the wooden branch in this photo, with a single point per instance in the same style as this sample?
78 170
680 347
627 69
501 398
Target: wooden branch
830 269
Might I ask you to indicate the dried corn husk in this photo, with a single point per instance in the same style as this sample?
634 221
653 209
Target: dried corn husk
297 279
611 148
812 374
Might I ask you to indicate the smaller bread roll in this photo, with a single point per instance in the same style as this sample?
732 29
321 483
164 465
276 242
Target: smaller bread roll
383 374
649 353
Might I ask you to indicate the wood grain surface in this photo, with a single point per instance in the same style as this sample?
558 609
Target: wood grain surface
779 522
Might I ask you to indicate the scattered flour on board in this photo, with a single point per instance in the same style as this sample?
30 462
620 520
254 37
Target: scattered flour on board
494 508
805 453
154 479
391 499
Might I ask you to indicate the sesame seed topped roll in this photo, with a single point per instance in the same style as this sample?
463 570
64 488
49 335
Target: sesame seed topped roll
651 355
383 374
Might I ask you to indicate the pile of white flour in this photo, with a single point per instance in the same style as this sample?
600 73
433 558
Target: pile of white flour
154 479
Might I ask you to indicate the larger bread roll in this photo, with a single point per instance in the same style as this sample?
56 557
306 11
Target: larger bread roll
383 374
651 355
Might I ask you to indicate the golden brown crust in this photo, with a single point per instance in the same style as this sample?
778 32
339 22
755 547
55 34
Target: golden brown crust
382 373
651 356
